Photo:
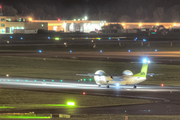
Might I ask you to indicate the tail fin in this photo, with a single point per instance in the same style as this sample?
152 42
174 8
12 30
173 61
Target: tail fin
143 72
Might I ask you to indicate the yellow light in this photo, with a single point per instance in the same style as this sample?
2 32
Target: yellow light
30 19
140 24
123 24
157 24
174 24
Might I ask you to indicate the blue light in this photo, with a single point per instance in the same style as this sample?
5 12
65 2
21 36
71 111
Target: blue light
70 51
101 51
21 38
99 39
144 60
144 40
118 39
155 50
52 80
129 50
109 38
135 39
17 80
125 111
55 55
86 37
107 57
49 38
149 110
40 51
11 37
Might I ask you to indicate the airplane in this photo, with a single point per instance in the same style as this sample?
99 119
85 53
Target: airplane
128 78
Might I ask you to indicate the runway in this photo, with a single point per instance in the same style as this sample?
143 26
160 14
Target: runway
167 97
164 57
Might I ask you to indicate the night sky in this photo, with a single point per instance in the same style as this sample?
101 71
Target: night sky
111 10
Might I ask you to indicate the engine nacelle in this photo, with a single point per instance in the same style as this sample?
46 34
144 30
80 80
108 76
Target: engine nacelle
101 77
127 72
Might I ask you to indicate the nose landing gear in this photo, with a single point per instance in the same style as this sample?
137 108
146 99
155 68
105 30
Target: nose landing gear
134 86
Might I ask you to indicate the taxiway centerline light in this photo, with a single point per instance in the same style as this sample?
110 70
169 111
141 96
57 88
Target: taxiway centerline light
70 103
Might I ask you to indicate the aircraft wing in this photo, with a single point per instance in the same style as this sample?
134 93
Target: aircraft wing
89 74
152 74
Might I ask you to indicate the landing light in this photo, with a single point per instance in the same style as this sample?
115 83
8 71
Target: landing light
144 60
117 84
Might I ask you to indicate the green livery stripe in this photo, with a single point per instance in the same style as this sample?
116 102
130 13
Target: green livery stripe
143 72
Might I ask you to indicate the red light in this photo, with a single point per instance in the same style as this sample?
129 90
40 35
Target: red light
84 93
0 6
59 19
155 30
162 85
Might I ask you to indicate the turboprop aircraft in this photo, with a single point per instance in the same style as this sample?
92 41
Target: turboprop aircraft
128 78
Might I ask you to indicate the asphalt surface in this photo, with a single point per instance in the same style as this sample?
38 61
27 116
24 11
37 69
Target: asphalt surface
167 97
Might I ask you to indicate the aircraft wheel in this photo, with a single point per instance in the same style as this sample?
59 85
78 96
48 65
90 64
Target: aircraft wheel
107 86
99 85
134 86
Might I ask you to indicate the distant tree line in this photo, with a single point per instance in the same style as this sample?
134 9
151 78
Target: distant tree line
111 12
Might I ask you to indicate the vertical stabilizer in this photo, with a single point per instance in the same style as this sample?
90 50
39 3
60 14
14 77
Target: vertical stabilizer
143 72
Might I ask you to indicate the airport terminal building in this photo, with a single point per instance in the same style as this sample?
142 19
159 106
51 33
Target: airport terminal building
9 23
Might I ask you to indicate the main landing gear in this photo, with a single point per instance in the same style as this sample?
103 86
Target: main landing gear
99 85
134 86
107 86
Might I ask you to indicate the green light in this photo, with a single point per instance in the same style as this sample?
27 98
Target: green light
78 80
55 105
90 79
42 25
74 19
56 38
35 80
61 80
84 79
70 103
25 117
6 107
8 80
17 80
52 80
44 80
26 80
